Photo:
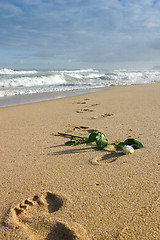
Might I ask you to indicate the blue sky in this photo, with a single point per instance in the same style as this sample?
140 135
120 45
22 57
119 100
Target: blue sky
79 34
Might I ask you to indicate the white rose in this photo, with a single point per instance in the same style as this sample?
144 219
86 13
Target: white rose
128 150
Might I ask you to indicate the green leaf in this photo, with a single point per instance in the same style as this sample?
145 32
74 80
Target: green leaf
92 136
120 146
134 143
101 141
70 143
75 139
85 139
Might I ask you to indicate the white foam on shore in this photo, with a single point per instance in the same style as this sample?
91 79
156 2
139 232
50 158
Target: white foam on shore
20 82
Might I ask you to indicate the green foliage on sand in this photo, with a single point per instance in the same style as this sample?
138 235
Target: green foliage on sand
101 141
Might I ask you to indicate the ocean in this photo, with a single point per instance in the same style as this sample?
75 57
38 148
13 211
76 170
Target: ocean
28 86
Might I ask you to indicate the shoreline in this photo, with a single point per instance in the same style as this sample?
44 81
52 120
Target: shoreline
10 101
16 100
48 188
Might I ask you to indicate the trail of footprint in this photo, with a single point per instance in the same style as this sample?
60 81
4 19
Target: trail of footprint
36 218
144 226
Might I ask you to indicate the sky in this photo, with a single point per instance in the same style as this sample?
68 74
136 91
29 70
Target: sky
74 34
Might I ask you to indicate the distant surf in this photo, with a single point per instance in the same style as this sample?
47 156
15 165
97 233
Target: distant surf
29 82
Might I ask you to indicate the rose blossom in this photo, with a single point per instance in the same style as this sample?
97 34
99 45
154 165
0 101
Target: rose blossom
128 150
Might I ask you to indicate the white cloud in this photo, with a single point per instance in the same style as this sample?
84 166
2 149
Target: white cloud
81 30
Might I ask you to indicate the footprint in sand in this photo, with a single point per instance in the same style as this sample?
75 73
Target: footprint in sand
38 218
84 110
83 102
103 115
109 157
95 104
77 128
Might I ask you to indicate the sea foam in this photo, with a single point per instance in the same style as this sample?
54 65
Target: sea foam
20 82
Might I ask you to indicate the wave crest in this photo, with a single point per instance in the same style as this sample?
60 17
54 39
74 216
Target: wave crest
5 71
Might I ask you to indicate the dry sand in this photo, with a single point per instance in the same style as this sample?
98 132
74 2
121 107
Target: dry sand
51 191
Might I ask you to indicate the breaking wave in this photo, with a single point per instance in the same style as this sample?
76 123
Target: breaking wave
19 82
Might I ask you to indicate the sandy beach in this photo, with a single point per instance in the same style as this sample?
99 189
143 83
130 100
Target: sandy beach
52 191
